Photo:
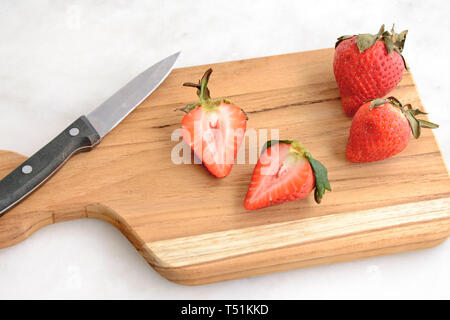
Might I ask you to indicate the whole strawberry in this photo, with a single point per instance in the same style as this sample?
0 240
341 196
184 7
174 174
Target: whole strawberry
286 171
214 129
382 128
368 66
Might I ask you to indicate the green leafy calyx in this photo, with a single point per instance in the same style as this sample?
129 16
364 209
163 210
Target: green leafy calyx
378 103
393 41
415 123
321 175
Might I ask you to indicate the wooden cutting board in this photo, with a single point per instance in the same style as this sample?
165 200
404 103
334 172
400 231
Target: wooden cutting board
193 229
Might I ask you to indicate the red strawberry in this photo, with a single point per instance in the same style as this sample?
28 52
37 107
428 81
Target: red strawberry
368 66
285 172
214 129
382 128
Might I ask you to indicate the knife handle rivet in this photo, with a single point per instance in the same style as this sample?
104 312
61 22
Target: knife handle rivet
74 132
27 169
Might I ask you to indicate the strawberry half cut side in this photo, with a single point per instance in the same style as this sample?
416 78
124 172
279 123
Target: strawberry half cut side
214 129
285 171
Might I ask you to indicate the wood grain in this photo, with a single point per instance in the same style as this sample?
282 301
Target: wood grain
192 228
202 248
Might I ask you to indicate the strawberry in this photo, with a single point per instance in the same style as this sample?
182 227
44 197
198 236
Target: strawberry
368 66
214 129
382 128
285 171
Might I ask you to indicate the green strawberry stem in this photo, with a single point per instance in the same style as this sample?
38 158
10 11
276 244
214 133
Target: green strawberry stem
320 171
410 114
202 87
202 92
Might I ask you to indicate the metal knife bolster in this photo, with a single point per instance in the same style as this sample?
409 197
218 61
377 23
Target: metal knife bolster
79 136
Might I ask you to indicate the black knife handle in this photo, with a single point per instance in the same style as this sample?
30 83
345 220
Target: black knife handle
79 136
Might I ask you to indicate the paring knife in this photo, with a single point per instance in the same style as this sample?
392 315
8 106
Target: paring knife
82 135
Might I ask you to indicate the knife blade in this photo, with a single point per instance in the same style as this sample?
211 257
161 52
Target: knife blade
82 135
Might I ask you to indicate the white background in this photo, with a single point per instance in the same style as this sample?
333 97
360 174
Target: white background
60 59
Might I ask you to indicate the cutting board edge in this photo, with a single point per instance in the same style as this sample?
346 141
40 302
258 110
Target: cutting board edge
403 234
251 59
185 276
427 117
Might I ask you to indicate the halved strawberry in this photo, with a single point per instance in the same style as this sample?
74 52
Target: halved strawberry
285 171
214 129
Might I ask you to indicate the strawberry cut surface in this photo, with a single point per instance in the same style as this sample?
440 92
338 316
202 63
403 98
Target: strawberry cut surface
285 172
213 129
215 135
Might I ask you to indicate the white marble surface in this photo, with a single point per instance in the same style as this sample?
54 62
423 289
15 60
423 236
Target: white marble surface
59 59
